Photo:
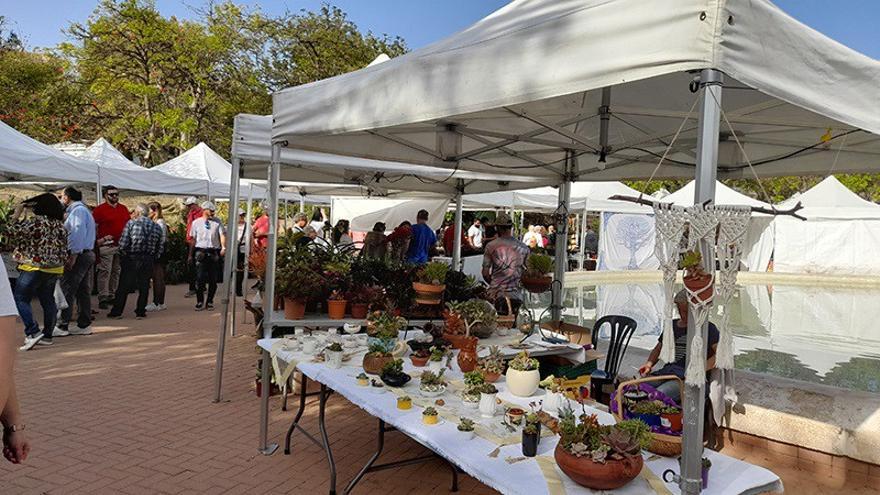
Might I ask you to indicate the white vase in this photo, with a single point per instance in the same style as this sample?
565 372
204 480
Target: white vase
522 383
467 435
554 401
333 359
488 405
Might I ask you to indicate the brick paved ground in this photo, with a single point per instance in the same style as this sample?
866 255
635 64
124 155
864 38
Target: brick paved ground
128 410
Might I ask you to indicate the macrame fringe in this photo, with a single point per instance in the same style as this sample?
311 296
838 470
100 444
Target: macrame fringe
696 366
724 354
667 352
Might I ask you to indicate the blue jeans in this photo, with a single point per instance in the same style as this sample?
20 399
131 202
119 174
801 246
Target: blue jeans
42 286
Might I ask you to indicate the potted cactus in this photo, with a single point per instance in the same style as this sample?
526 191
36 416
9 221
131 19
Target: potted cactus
430 416
522 375
432 384
492 365
695 278
536 277
466 427
430 283
333 355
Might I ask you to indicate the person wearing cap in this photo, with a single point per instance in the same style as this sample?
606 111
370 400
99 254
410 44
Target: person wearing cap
375 244
423 240
503 263
110 218
193 212
261 228
209 246
243 235
140 246
679 328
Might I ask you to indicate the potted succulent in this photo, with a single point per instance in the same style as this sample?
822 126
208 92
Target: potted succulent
363 297
695 278
515 415
385 325
648 411
363 380
392 374
531 434
555 397
430 416
337 274
333 355
377 356
597 456
430 283
466 427
492 365
536 277
522 375
432 384
435 361
420 357
671 417
488 400
473 382
336 304
296 283
707 464
404 403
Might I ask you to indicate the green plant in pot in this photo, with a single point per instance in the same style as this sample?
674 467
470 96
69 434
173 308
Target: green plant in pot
339 282
392 374
377 356
695 278
600 457
333 355
671 417
522 375
432 384
648 411
473 383
466 427
536 276
363 297
531 435
296 282
430 283
492 366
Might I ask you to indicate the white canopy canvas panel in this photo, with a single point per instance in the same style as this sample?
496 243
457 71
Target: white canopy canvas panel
840 236
320 173
585 196
515 90
25 159
364 213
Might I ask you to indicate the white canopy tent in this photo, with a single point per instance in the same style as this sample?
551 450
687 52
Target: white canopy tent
585 196
840 235
364 213
23 159
567 90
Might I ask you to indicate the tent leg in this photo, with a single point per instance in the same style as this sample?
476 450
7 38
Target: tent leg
456 243
707 158
228 274
269 300
557 296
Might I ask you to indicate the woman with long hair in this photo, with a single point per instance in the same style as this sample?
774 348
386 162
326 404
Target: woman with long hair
341 234
39 246
158 303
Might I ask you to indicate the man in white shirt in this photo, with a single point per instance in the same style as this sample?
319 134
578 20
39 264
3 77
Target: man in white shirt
475 234
207 250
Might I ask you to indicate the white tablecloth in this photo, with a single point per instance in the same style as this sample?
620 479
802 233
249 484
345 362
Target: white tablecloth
728 475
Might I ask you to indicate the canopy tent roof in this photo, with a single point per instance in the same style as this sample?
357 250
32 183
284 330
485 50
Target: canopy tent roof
723 196
101 152
316 172
590 196
523 85
25 159
831 199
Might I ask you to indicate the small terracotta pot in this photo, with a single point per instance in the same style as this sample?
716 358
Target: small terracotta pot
373 363
419 361
701 286
336 309
294 309
359 310
491 377
428 293
608 476
467 356
537 285
454 339
674 420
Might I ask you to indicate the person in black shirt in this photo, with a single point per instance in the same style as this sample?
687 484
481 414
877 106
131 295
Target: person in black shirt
677 367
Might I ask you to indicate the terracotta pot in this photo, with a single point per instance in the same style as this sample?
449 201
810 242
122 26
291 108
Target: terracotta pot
373 363
359 310
419 361
522 383
467 356
336 309
428 293
701 286
491 377
454 339
537 285
294 309
608 476
673 419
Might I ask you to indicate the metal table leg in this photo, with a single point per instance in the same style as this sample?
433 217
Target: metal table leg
323 427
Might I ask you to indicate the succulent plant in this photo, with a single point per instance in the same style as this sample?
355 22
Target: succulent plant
433 273
437 354
431 380
488 388
393 367
335 347
622 442
473 379
430 411
522 362
494 362
465 424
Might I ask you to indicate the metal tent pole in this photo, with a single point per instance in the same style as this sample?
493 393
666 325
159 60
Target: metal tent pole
269 300
302 203
562 239
456 243
228 267
707 159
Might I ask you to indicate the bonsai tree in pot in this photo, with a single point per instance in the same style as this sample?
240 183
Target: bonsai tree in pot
695 277
432 384
522 375
430 283
492 366
536 276
597 456
297 282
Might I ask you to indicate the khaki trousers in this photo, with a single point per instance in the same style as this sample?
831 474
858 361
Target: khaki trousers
108 273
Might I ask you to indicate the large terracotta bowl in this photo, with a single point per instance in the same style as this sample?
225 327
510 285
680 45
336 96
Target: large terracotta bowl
608 476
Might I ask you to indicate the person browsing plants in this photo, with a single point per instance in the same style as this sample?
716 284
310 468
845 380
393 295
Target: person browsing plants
141 245
208 248
503 264
423 240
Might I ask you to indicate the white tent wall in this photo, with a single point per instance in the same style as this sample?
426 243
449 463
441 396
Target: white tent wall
626 242
364 213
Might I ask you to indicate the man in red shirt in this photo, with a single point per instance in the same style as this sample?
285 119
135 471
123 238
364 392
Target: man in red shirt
110 218
193 211
261 229
449 240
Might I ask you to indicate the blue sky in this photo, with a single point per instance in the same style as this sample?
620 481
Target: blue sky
851 22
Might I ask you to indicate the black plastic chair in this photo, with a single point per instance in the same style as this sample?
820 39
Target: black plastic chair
622 329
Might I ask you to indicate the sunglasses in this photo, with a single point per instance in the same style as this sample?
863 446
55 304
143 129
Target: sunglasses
116 194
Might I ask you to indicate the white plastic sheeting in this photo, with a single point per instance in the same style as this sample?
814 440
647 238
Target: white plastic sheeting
626 242
840 236
364 213
524 84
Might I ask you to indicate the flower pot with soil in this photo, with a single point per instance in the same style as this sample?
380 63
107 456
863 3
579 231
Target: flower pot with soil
294 309
492 365
522 375
420 358
467 356
430 283
695 278
536 277
671 418
333 355
336 306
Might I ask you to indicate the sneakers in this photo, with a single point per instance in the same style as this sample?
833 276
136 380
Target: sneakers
209 306
200 307
151 307
45 342
60 332
161 307
79 331
31 341
189 294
